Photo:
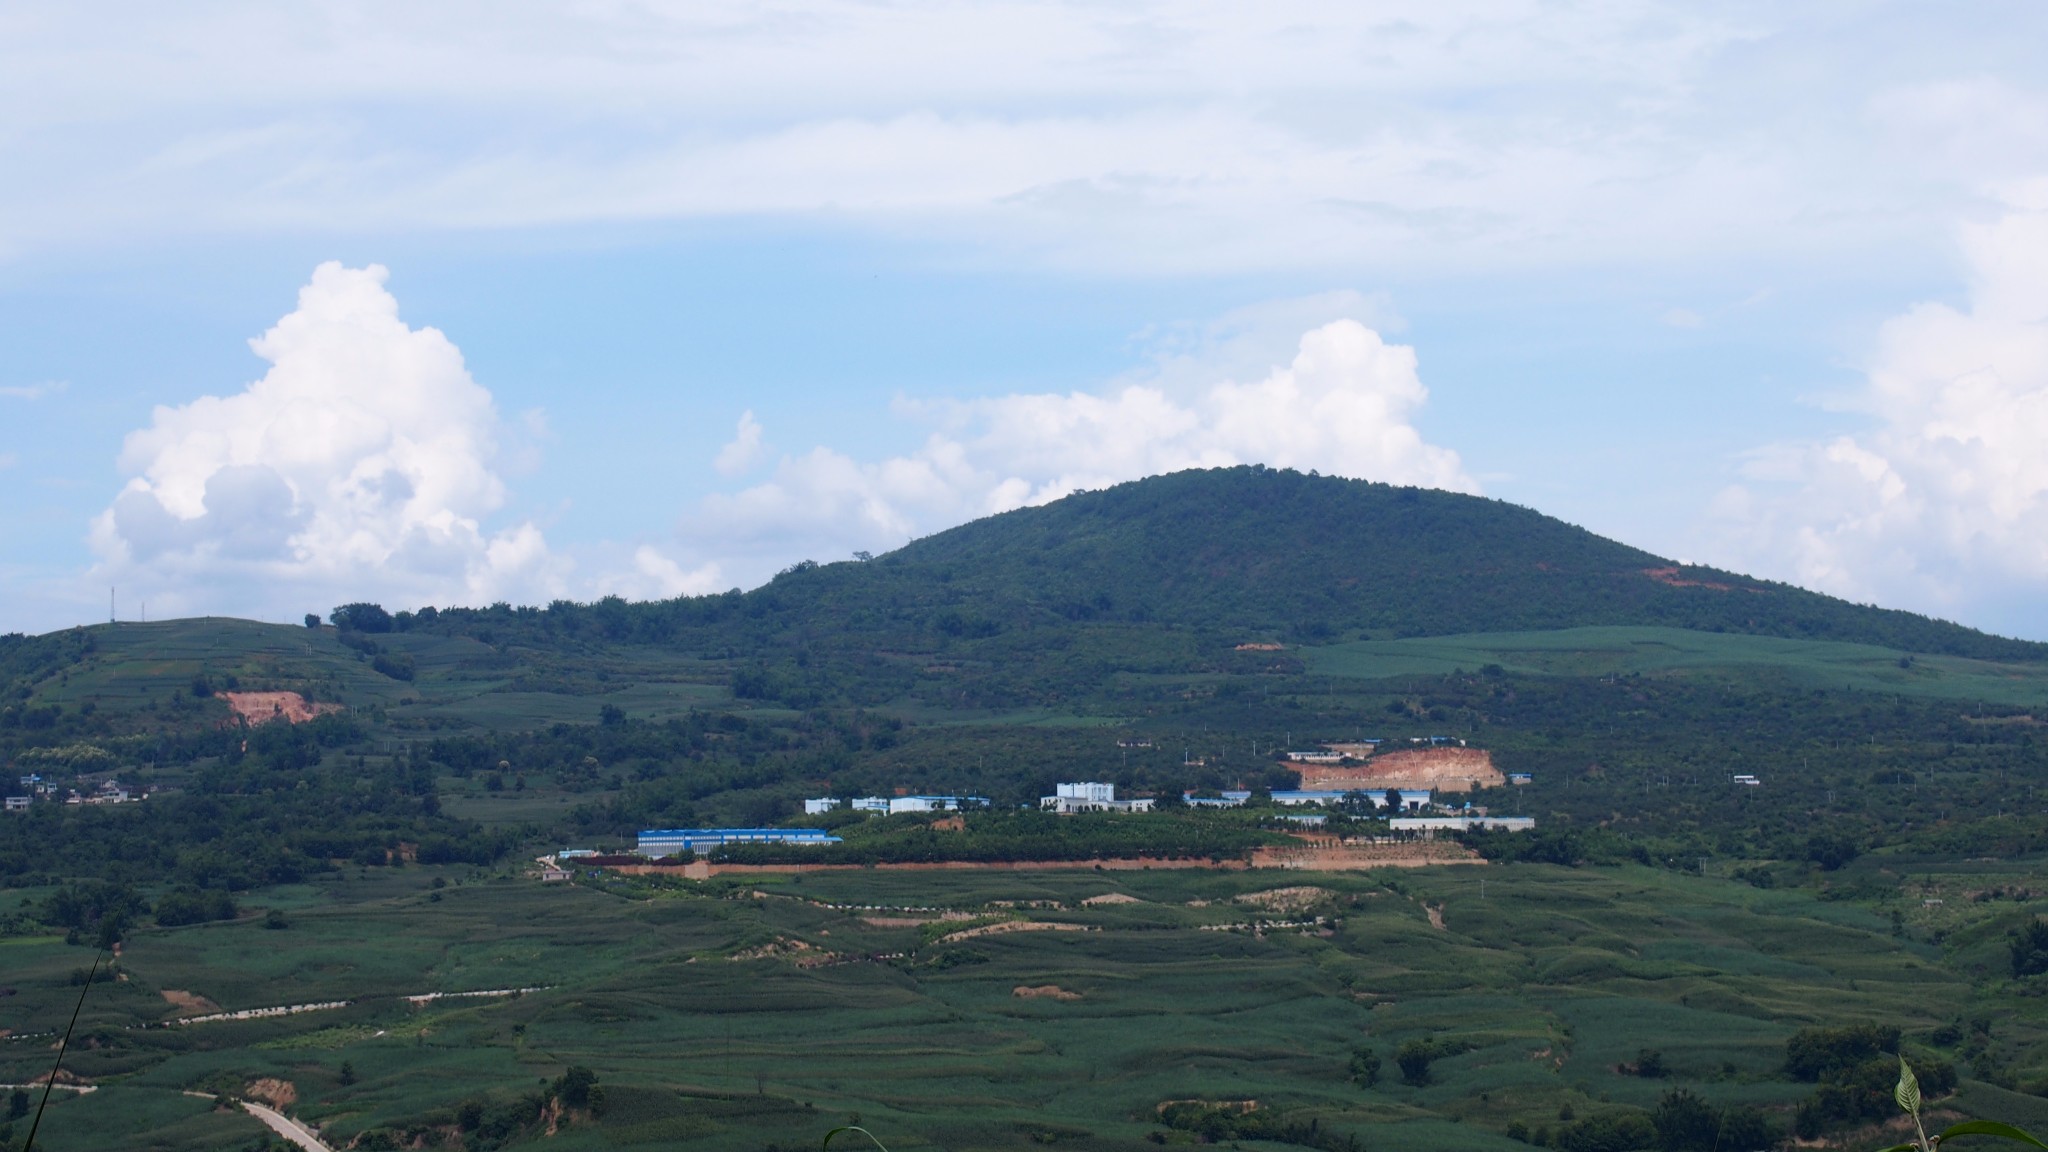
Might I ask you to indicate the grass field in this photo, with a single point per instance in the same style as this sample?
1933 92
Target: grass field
463 684
458 682
1617 651
1553 978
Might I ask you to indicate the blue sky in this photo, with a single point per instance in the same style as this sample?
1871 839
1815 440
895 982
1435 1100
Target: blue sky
659 299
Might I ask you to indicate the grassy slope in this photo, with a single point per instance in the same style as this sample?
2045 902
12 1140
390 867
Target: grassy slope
457 681
1622 651
699 1050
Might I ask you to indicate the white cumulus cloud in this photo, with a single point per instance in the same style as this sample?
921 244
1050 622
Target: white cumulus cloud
1942 505
1344 405
745 449
358 467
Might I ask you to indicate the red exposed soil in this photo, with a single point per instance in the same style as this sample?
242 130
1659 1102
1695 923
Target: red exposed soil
1043 991
1441 769
1671 577
188 1003
263 707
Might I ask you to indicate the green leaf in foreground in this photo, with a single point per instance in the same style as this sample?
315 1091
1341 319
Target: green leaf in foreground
1908 1091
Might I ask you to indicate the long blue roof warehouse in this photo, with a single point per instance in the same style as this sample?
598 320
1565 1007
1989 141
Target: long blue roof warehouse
669 841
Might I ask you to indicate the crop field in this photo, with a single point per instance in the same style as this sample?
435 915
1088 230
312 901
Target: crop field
1620 651
457 681
757 1013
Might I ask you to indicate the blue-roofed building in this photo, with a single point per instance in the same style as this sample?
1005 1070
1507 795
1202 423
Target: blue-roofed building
658 842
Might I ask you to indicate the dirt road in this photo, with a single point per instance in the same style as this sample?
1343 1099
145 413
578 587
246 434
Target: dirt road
279 1123
286 1127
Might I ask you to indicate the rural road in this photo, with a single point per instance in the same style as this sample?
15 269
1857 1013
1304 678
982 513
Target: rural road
279 1123
286 1127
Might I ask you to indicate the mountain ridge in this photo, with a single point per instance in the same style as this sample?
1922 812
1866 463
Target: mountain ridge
1313 558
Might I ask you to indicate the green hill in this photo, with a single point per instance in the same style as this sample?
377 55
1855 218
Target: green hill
1317 558
1251 553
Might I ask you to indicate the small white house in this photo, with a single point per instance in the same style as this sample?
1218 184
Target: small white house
1089 797
17 803
820 806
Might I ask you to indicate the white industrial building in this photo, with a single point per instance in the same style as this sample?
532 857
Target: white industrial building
1432 824
820 806
1068 799
1412 799
657 842
935 803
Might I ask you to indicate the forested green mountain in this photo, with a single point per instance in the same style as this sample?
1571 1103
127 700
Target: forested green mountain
1315 558
1252 553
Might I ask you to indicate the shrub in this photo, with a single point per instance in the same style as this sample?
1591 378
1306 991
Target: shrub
1415 1057
361 618
1863 1091
1628 1131
1365 1066
1812 1053
1685 1123
2030 949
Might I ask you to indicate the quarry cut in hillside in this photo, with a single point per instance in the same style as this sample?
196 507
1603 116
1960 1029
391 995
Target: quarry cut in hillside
262 707
1437 769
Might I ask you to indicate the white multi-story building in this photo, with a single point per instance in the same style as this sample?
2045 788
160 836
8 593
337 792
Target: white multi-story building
820 806
1089 797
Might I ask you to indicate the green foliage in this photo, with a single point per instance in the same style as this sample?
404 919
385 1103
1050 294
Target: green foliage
1610 1131
192 906
1854 1091
1685 1123
2030 949
1216 1124
361 618
578 1088
1855 1067
1365 1067
1414 1057
1815 1053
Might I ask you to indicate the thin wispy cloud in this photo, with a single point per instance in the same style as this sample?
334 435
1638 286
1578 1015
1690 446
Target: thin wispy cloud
1152 137
34 391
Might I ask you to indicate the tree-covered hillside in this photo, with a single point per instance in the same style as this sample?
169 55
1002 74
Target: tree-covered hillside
1249 552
